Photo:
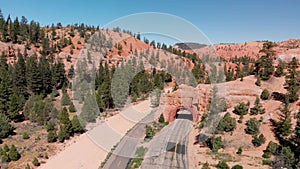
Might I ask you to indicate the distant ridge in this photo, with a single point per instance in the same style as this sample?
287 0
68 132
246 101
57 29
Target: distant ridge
189 45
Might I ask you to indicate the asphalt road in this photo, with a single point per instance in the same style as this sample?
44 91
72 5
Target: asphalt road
128 145
168 150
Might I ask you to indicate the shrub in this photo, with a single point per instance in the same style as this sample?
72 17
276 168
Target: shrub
72 108
205 166
266 155
215 143
76 125
52 137
237 167
258 108
36 162
241 109
5 128
13 154
240 151
25 136
267 162
27 166
252 126
265 94
258 141
227 123
272 147
222 165
65 100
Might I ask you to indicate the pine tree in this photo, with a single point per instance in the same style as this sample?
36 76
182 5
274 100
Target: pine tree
33 76
14 108
280 69
226 124
296 137
51 137
65 100
65 123
5 128
72 108
77 127
19 76
222 165
258 81
284 125
13 154
54 92
36 162
265 94
253 126
258 108
292 81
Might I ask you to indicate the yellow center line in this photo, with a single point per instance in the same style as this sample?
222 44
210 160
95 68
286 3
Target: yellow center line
175 151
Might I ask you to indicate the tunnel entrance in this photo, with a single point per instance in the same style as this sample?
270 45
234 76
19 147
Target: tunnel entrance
184 114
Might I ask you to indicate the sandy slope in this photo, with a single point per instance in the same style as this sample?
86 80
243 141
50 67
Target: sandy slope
91 148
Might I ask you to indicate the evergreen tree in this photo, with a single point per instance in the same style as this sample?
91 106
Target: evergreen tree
296 137
45 73
237 167
77 127
226 124
72 108
19 76
51 137
14 108
280 69
205 166
65 100
222 165
65 123
54 92
258 108
283 127
258 81
36 162
253 126
292 82
241 109
265 95
13 154
33 76
5 128
89 110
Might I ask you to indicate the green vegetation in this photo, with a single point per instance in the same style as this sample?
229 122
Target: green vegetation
237 167
258 108
264 65
265 95
215 143
6 128
240 151
258 141
222 165
241 109
253 126
205 166
139 157
9 154
36 162
226 124
292 82
25 136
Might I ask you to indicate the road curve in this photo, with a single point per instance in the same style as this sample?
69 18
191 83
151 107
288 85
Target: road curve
168 150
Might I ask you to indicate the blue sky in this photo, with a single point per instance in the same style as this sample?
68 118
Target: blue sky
223 21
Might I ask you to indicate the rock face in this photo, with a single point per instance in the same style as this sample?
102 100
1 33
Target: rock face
186 97
196 100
